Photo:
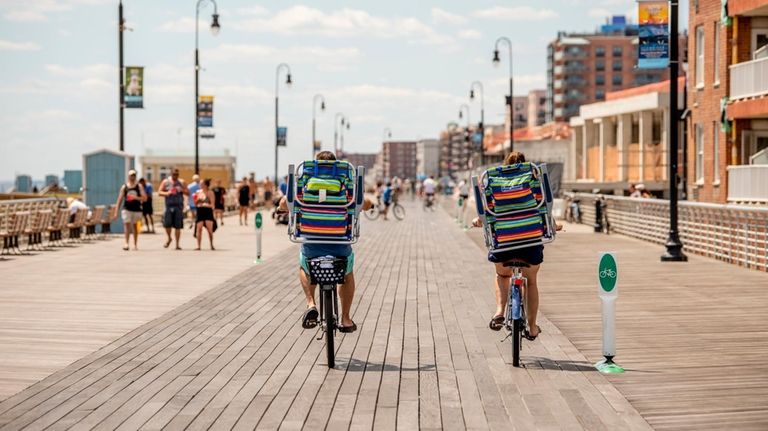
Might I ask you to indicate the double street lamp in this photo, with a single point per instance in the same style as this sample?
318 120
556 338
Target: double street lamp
496 62
215 27
318 97
481 126
339 119
467 137
288 82
387 134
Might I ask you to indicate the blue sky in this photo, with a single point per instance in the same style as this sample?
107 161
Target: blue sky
398 64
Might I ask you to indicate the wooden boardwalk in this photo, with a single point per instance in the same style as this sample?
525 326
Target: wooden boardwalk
236 357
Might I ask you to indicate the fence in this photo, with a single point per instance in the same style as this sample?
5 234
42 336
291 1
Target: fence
736 234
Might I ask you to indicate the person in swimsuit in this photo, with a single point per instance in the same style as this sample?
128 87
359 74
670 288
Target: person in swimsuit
146 208
219 193
244 199
131 196
204 199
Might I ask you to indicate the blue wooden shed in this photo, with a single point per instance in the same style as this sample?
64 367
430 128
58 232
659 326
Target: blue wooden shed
104 172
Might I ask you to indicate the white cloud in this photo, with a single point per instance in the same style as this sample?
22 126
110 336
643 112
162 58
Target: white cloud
88 71
440 16
253 10
6 45
181 25
251 53
25 16
38 10
304 20
516 13
599 13
470 34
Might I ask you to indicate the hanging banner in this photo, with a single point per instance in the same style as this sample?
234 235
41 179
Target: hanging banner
134 87
282 136
205 111
318 146
653 19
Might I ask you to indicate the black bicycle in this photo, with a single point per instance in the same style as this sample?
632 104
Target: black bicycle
328 272
514 320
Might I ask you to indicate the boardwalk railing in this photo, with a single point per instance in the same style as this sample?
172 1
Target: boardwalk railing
732 233
749 79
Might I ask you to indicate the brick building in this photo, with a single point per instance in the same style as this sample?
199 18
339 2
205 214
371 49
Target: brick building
520 106
537 108
583 67
399 159
361 159
728 160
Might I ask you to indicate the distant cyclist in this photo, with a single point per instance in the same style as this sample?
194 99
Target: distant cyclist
429 188
310 251
386 197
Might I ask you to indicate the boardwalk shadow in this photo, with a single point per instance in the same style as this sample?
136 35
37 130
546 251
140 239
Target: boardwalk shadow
356 366
561 365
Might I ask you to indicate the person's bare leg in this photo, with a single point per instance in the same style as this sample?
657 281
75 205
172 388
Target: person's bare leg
503 279
532 299
168 233
309 289
209 228
177 233
135 228
199 234
127 229
346 295
152 223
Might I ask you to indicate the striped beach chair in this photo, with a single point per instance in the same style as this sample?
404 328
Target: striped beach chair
324 200
514 204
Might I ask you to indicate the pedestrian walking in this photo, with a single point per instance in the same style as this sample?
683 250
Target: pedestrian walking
173 190
146 207
193 187
244 199
253 188
269 189
204 201
131 196
219 194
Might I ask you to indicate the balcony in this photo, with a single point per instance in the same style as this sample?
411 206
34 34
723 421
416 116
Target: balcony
559 55
558 70
749 79
748 184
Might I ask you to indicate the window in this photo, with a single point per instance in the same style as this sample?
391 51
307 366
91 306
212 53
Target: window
716 153
600 51
599 64
599 79
617 65
699 166
600 94
716 55
617 81
618 51
700 56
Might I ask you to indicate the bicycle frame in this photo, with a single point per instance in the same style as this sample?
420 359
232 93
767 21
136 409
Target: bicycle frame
516 299
292 199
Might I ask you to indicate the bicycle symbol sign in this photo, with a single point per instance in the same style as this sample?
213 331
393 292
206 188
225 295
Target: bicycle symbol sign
607 272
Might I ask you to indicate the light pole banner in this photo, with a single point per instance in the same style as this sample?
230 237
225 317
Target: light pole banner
318 146
282 136
205 111
134 87
653 19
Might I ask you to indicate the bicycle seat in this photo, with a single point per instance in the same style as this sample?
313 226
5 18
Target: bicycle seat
327 269
517 264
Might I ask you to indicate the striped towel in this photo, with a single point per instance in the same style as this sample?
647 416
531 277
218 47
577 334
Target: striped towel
325 222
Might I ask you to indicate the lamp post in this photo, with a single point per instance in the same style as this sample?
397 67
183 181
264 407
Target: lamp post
674 246
336 119
314 108
215 27
288 82
344 123
481 126
386 134
120 77
496 61
467 137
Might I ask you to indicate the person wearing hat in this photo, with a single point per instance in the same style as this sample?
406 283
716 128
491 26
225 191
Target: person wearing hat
130 197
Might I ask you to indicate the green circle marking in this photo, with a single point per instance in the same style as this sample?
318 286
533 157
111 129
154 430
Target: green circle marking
258 220
607 273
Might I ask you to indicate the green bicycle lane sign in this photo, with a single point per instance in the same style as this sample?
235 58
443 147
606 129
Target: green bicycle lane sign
607 274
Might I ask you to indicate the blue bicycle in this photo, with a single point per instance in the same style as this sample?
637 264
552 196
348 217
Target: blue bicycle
514 319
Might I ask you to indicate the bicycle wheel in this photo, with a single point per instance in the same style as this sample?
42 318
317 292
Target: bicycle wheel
372 214
330 326
517 338
398 211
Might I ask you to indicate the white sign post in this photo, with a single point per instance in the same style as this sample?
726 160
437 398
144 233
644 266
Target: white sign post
258 223
607 276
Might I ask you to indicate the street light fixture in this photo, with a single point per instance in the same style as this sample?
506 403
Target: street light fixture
496 62
314 114
215 28
467 132
337 119
481 126
288 82
386 134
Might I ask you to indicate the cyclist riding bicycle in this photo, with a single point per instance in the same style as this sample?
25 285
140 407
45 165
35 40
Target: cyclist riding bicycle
429 187
533 256
310 251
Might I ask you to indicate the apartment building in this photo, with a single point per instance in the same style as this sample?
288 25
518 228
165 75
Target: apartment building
399 159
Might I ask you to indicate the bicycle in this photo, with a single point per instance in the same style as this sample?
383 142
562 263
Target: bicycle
328 272
429 202
397 210
514 320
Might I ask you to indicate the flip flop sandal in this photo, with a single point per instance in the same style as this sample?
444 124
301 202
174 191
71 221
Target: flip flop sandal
348 329
528 336
497 322
309 320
